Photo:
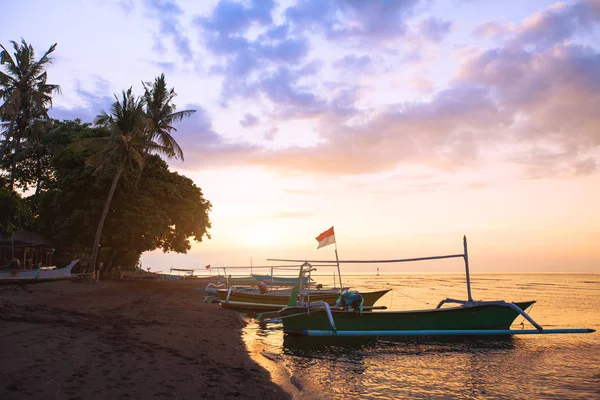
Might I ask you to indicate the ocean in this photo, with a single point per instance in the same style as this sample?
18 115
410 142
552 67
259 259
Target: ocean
518 367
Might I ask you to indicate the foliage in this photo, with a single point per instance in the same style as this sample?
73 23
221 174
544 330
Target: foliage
83 174
14 213
161 114
125 144
137 221
26 97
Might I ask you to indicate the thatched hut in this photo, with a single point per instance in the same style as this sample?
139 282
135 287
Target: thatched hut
25 250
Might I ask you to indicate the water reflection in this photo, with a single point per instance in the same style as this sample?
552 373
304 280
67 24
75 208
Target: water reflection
563 366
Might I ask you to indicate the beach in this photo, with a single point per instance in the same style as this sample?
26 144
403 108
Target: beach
124 339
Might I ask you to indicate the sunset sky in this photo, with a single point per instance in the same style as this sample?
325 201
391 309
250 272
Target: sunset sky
404 124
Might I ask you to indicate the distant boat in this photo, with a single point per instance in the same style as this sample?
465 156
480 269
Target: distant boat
40 275
279 281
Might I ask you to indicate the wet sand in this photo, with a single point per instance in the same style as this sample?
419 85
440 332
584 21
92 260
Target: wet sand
124 339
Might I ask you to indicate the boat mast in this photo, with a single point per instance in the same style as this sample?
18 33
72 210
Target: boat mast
466 256
337 260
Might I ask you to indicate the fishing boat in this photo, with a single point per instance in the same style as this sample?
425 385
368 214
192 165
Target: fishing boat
39 275
245 299
465 317
188 274
278 280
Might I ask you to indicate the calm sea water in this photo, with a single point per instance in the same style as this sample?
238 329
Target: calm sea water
520 367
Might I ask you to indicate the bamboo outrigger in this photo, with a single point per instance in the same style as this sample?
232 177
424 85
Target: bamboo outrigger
468 317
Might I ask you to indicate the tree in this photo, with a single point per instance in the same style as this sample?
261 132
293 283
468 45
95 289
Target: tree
141 223
68 209
14 213
161 113
33 161
72 202
26 96
123 146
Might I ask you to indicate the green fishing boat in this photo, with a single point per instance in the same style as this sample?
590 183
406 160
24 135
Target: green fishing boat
466 317
240 298
298 321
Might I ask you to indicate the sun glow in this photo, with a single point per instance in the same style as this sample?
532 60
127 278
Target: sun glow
263 235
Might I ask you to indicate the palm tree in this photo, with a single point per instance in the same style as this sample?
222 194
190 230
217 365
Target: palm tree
25 93
127 140
161 114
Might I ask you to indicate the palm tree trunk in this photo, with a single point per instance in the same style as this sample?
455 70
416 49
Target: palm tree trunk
38 168
111 192
144 158
14 162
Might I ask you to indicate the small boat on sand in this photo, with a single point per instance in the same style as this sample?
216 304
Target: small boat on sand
466 317
39 275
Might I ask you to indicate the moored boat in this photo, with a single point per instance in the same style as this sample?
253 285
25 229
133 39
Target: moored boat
278 280
461 318
275 300
40 275
469 317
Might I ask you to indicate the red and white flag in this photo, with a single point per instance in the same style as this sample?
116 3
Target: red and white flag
208 266
326 238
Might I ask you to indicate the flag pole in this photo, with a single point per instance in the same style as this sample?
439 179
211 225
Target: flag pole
337 260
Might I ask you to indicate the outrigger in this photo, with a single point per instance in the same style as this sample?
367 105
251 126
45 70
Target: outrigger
468 317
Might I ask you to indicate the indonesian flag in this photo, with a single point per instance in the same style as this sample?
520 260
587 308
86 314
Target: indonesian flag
326 238
208 266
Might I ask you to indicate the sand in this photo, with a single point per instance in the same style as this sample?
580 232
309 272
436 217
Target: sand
124 339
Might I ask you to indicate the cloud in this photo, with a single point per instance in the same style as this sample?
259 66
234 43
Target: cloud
380 19
559 22
232 17
531 100
167 13
256 56
270 133
283 89
353 62
95 100
493 30
434 29
422 84
203 146
249 120
126 5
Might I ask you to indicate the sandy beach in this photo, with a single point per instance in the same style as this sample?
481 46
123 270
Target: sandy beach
124 339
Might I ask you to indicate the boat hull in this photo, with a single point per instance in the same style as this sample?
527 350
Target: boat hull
478 317
273 301
37 276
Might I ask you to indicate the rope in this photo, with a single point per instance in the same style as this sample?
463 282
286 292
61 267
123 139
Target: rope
420 301
523 321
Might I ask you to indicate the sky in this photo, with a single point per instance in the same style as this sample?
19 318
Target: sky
404 124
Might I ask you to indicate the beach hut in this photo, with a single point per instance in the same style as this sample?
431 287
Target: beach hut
25 250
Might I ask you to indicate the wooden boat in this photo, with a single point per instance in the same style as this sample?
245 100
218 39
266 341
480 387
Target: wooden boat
48 274
469 317
476 317
238 280
277 280
275 300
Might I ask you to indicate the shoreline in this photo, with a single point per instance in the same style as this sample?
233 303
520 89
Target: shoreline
125 339
263 353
